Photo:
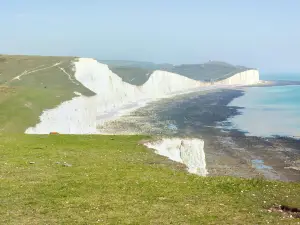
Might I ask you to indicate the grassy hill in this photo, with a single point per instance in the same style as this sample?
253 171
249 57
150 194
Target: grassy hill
132 75
31 84
211 71
128 63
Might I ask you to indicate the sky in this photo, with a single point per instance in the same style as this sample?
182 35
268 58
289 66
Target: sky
264 34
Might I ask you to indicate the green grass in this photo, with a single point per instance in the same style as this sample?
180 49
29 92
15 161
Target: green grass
20 108
23 101
118 181
48 76
132 75
212 71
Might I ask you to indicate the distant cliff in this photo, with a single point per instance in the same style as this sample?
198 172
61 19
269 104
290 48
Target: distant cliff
247 77
137 73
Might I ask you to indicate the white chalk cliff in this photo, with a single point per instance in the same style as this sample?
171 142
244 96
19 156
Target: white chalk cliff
82 115
247 77
187 151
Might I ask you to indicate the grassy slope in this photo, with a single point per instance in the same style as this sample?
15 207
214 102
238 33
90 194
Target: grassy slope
208 71
132 75
128 63
119 181
22 101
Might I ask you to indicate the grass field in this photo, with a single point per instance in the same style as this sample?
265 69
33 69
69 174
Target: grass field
73 179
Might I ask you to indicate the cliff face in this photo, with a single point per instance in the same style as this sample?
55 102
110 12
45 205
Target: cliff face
244 78
187 151
101 80
83 114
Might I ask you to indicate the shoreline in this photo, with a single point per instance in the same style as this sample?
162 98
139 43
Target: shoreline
228 152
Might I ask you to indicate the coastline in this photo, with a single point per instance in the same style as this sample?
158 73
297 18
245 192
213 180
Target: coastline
227 152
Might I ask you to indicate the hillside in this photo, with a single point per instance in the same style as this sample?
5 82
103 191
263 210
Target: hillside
134 72
211 71
39 72
31 84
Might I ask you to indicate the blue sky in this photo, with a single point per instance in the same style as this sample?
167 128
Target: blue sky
259 33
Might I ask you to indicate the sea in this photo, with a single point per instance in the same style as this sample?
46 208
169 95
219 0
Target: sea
269 111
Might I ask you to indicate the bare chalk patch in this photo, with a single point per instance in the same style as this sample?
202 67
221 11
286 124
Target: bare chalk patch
187 151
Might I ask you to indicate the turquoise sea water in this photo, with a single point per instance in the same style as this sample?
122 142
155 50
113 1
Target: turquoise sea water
269 111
